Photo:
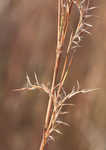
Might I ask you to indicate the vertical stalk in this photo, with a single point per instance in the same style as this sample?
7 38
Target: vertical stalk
57 61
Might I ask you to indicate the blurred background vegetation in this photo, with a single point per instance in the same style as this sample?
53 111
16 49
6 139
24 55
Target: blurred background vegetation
27 44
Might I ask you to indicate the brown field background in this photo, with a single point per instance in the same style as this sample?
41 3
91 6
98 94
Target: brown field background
27 44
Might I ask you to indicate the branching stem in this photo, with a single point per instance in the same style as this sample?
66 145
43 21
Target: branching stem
55 95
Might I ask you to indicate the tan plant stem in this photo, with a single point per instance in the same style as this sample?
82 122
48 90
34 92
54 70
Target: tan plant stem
42 143
69 45
50 100
48 123
57 61
62 79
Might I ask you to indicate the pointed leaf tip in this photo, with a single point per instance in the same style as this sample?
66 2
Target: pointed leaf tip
29 84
